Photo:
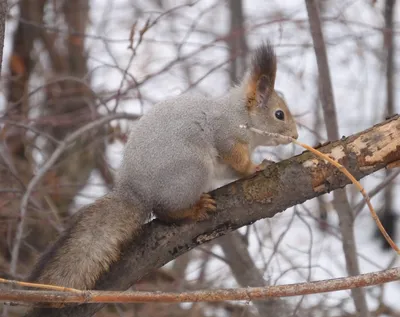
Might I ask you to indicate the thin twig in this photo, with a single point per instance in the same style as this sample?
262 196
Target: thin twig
42 286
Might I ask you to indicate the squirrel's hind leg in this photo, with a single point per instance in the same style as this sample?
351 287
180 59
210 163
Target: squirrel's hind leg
198 212
183 196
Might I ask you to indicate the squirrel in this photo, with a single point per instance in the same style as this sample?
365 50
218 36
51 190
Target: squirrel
174 155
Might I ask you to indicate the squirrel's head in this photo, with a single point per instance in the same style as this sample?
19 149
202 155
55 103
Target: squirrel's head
267 109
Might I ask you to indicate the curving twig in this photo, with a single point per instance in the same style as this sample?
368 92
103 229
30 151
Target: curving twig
344 171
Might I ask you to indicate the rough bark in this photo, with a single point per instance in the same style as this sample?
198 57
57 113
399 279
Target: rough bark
262 195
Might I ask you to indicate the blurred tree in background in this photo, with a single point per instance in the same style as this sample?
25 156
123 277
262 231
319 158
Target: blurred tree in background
69 63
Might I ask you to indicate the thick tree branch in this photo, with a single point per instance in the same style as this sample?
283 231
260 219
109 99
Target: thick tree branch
263 195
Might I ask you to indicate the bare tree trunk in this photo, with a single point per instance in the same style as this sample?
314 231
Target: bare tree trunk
71 101
388 214
69 105
390 45
15 158
341 203
3 18
246 273
237 41
235 249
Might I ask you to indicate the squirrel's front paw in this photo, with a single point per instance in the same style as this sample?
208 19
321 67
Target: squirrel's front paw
263 165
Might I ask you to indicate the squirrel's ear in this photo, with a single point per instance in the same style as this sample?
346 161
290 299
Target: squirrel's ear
261 80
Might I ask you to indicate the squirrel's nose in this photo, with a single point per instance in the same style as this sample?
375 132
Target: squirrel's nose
295 135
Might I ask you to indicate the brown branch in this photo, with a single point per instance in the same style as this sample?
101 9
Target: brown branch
242 203
247 293
343 170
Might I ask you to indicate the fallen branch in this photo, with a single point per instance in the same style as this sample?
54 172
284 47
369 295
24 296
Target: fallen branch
241 203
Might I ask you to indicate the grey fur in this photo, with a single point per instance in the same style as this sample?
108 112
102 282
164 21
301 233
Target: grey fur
91 243
173 155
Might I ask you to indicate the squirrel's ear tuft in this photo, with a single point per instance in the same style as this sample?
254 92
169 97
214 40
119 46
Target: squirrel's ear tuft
261 79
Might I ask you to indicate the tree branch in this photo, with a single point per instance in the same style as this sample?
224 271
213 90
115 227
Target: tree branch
217 295
262 195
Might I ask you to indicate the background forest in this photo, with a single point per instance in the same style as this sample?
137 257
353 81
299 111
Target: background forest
68 64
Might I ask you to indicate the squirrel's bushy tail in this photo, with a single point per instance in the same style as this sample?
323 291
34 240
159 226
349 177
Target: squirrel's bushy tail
91 244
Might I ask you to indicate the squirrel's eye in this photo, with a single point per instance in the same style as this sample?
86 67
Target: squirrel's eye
280 115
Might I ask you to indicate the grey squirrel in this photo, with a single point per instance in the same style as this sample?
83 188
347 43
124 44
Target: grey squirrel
174 155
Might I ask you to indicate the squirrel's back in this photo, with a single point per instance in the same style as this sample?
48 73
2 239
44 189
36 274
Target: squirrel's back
181 131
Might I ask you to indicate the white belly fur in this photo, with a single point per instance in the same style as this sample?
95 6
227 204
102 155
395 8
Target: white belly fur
222 174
